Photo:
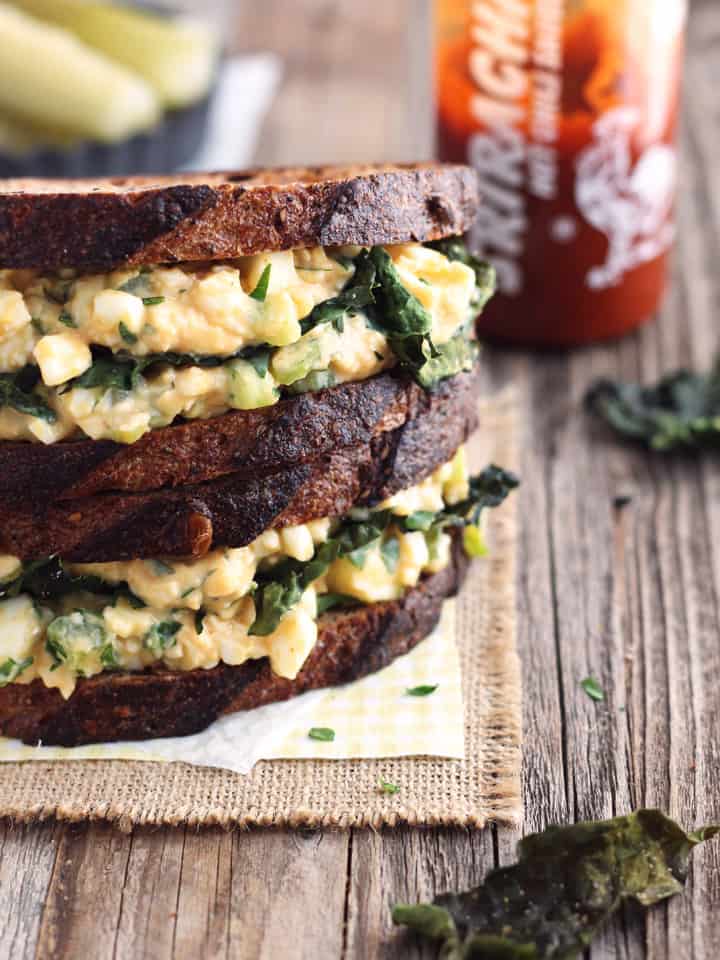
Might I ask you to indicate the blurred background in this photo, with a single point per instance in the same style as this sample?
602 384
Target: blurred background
96 88
567 109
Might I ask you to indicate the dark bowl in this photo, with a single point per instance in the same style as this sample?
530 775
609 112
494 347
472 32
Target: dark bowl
169 145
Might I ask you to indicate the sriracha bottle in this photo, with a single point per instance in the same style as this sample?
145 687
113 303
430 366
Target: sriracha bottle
568 110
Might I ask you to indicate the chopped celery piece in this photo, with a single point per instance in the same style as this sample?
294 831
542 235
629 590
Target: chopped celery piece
297 360
248 390
474 542
317 380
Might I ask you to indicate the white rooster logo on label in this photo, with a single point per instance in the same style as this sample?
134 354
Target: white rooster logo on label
631 205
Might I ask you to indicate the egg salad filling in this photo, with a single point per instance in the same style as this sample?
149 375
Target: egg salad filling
63 621
114 355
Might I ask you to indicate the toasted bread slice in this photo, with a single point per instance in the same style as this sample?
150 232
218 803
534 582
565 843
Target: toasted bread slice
235 509
98 224
247 442
166 703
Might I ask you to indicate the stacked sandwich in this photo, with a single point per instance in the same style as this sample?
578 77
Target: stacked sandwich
232 417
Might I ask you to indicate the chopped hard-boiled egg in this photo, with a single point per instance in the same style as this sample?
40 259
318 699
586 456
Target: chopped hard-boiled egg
62 356
197 312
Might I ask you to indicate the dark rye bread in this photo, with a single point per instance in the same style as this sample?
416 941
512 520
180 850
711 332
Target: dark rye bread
247 442
235 509
164 703
98 224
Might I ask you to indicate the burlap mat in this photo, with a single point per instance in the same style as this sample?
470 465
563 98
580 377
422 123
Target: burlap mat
343 793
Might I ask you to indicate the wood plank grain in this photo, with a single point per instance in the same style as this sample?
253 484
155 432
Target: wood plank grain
217 894
150 895
403 866
27 860
82 908
288 894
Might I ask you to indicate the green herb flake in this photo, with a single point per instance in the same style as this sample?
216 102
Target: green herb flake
385 786
420 520
567 883
160 568
138 286
592 688
261 289
326 734
162 635
127 335
67 320
108 657
199 617
11 669
152 301
56 650
390 553
424 690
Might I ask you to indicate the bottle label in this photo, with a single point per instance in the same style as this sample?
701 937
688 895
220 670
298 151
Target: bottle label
574 121
516 65
629 203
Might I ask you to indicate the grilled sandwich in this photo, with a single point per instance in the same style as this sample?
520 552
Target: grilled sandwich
233 410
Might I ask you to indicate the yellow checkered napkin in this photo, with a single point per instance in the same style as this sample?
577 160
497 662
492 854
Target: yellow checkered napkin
376 717
373 717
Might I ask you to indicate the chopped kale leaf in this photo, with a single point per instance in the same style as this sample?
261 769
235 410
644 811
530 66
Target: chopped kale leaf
17 390
566 884
682 410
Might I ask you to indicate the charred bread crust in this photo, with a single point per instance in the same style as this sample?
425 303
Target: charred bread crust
98 224
232 511
246 442
165 703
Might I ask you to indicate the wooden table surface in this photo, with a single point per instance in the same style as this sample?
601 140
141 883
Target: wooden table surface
631 596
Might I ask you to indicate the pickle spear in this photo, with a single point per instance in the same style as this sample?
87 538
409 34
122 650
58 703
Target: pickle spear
175 56
49 79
